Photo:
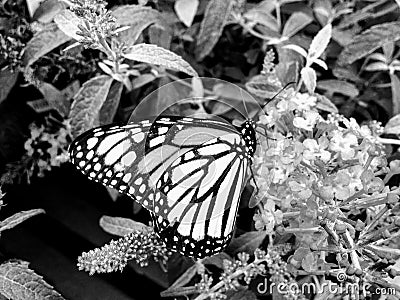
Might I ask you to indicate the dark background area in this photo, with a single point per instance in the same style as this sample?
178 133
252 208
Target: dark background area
53 241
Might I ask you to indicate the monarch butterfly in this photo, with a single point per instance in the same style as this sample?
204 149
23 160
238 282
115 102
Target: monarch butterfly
188 172
192 192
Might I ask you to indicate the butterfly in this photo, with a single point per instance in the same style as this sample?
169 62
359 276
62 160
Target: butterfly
188 172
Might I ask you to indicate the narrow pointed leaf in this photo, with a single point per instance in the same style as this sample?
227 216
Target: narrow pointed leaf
395 83
320 42
155 55
110 106
215 18
186 10
296 48
122 226
18 218
309 78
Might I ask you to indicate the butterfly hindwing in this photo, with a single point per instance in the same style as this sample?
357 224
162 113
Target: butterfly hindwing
201 210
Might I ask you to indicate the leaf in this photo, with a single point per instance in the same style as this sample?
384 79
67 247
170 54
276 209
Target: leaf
110 106
48 9
197 87
393 125
297 49
339 86
55 98
32 6
232 92
43 42
295 23
215 17
138 17
261 86
70 91
160 37
324 103
247 242
376 67
262 17
395 84
310 78
186 10
68 23
323 11
179 291
142 80
40 105
319 43
7 81
122 226
185 278
87 103
113 193
18 218
18 282
153 54
217 259
368 41
241 295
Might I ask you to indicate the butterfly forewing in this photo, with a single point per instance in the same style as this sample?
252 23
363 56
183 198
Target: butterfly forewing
131 158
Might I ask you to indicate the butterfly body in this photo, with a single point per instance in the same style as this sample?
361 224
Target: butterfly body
189 173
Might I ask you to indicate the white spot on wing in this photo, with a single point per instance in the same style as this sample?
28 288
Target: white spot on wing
138 137
91 142
110 141
116 152
128 158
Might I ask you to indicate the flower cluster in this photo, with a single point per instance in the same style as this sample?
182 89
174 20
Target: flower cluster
308 155
11 50
45 148
313 174
137 246
236 274
98 23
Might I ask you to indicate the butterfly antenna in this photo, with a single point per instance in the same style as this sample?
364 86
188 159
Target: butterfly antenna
277 94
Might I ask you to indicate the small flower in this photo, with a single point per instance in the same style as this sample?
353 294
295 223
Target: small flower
344 144
316 149
307 121
268 217
116 255
304 101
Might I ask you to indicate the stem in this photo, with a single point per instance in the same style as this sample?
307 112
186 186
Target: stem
220 284
388 141
374 222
